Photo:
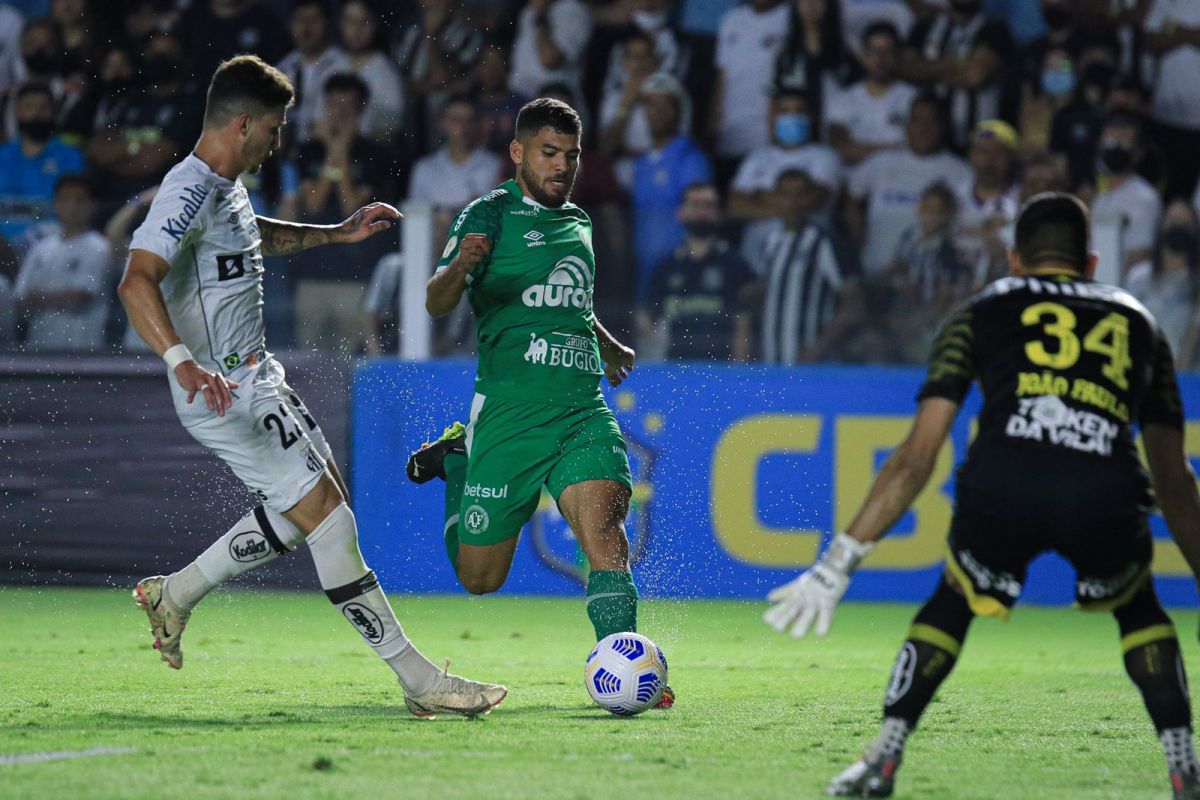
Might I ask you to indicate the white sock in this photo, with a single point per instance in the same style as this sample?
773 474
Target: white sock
258 538
1177 746
353 588
892 738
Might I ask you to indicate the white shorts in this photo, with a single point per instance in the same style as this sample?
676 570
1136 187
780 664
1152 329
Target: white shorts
267 437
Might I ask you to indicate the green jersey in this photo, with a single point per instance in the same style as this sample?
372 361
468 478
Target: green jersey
532 298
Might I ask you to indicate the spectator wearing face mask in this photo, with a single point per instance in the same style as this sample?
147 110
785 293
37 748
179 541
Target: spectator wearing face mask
158 126
1125 200
1043 95
1075 128
695 295
1168 284
30 165
753 197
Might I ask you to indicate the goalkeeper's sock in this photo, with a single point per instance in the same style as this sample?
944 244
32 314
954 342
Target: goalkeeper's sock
455 466
355 591
258 538
1155 665
927 655
611 602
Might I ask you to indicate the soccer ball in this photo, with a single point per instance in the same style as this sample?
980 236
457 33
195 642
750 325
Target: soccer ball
625 673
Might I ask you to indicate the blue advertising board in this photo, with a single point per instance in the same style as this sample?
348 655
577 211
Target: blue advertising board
741 473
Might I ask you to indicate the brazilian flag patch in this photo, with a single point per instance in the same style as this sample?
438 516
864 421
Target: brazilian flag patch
232 360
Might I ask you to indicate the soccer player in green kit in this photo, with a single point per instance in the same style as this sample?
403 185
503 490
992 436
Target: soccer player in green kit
523 255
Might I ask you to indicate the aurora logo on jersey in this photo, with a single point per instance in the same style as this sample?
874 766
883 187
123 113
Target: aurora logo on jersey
193 198
569 286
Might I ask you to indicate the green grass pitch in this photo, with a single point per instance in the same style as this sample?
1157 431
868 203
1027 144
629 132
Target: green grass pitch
279 698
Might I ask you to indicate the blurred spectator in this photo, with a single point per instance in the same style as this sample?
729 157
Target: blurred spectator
214 30
550 40
1064 32
40 63
808 297
812 56
885 189
460 170
959 53
106 98
1172 29
661 175
870 115
748 45
436 53
987 203
695 295
1126 201
310 64
753 197
858 15
624 131
926 265
341 170
652 18
30 165
598 190
1043 96
1075 128
63 291
1169 283
11 71
360 39
1041 173
156 128
381 306
497 105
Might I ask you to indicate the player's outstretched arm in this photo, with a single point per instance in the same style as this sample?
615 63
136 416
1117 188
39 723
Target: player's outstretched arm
445 288
280 238
1175 489
618 358
812 597
147 312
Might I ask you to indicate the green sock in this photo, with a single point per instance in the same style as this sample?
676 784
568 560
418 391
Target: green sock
612 602
455 465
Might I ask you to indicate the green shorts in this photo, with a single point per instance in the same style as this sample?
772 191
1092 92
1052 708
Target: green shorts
516 448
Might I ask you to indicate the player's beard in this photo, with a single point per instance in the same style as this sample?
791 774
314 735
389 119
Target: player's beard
255 155
537 187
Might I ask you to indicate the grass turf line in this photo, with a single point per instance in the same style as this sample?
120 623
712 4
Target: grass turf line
279 697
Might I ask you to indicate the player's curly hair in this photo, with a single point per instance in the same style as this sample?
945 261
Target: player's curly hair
246 85
546 112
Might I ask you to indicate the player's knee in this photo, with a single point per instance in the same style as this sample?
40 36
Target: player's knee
480 583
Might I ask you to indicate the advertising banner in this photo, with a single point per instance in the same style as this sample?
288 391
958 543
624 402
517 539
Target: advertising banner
741 473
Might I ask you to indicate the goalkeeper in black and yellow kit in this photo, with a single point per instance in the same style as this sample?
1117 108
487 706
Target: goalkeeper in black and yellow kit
1067 368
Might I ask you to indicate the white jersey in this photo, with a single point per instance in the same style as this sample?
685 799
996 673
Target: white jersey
203 226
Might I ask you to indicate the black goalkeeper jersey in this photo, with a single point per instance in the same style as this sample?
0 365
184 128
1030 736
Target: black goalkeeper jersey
1067 366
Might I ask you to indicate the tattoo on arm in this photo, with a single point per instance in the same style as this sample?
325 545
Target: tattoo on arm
282 238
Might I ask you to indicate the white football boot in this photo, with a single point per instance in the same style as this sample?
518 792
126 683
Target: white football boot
452 694
166 621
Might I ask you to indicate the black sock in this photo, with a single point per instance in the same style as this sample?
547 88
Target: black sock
1152 660
927 655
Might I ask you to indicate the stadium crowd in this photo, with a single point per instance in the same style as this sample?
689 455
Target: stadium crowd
776 180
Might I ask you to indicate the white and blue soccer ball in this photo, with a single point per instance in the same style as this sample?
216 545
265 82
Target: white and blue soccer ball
625 673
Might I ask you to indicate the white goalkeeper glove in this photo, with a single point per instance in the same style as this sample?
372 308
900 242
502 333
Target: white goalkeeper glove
814 595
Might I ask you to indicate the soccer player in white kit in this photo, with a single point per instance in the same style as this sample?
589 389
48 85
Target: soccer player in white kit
193 290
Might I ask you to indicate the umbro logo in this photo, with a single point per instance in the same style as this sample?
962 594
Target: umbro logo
535 238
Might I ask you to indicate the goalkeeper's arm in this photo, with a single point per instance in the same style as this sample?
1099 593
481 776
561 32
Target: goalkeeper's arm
812 596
